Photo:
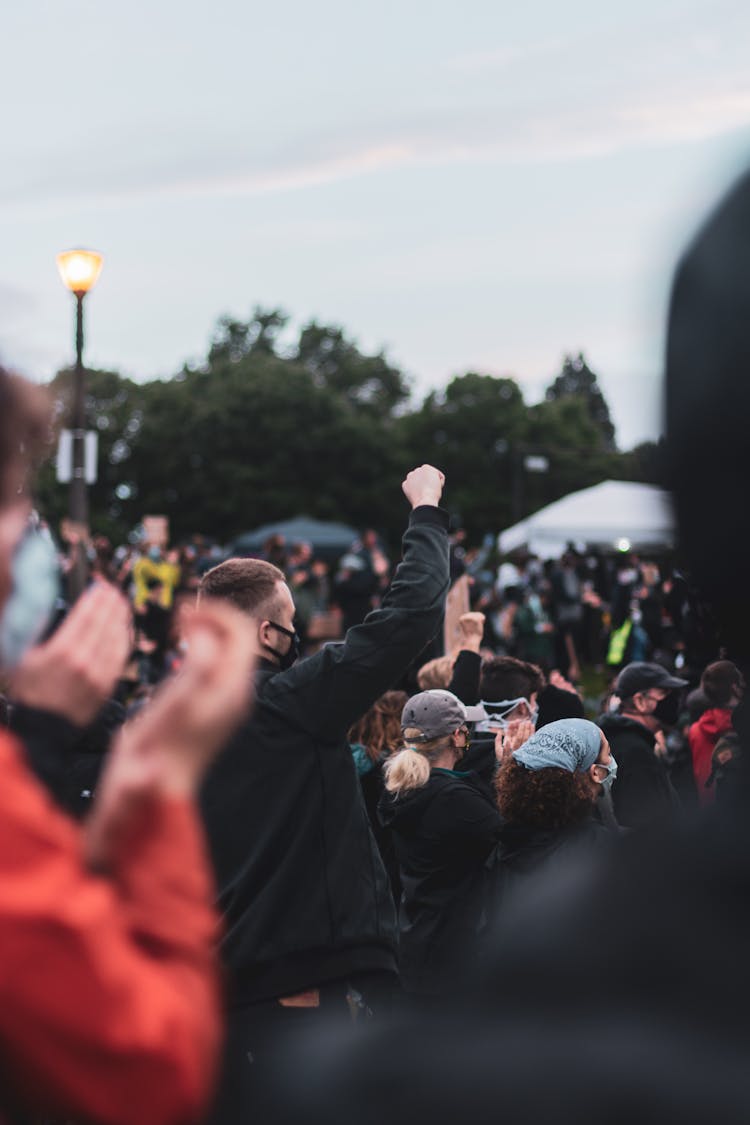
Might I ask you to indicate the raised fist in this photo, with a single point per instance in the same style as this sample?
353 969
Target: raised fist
424 486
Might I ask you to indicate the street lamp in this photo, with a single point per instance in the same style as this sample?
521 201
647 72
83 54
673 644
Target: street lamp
79 270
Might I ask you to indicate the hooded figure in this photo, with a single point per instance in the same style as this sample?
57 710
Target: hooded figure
444 823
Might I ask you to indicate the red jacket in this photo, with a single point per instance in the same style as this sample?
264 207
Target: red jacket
108 987
703 737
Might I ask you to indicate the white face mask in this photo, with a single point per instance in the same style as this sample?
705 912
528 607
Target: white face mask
609 780
502 709
29 609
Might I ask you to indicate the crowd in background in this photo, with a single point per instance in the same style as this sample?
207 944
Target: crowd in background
382 881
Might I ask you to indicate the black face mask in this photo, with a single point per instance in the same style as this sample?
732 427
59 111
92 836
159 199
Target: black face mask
285 659
667 710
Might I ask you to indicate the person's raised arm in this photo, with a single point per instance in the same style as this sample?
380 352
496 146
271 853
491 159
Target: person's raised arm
467 666
329 691
424 486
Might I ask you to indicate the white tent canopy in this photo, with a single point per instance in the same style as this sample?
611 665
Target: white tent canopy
615 514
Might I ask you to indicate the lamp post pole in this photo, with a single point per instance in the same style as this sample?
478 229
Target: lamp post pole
79 270
79 507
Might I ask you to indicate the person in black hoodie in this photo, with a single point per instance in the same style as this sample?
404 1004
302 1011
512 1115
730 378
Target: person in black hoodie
309 917
444 824
643 795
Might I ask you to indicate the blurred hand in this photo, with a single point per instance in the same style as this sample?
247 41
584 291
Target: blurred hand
166 750
514 736
75 671
558 680
424 486
471 629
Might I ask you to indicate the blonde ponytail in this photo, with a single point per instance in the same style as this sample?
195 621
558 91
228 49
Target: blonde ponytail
409 768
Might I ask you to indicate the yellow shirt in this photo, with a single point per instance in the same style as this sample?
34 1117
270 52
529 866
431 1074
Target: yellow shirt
145 570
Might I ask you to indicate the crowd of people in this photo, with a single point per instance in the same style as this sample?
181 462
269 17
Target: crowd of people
375 881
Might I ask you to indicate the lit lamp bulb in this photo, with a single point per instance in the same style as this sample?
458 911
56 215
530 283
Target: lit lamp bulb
79 269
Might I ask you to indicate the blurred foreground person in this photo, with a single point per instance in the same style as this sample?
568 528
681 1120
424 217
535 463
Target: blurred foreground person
444 824
108 990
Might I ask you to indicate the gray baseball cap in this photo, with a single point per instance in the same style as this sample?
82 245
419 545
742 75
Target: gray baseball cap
437 713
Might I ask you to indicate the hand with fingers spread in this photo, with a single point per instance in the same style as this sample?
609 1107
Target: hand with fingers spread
424 486
512 737
75 671
166 750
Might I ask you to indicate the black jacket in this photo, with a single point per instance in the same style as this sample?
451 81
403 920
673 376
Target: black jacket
67 759
523 850
302 888
443 833
642 795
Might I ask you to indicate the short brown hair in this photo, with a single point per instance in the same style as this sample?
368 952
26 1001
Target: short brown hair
249 584
546 798
720 681
505 677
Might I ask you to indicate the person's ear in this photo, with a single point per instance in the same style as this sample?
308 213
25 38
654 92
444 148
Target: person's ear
264 633
640 702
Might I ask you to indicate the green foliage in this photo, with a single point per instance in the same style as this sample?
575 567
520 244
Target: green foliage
258 434
466 432
577 380
369 383
235 339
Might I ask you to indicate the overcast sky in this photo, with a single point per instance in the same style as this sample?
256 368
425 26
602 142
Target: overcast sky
482 186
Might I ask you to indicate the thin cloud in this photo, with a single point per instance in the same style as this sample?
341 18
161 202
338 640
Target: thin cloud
530 134
506 55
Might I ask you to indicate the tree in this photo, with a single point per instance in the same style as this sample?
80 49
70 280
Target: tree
468 431
367 382
563 431
256 440
578 380
234 339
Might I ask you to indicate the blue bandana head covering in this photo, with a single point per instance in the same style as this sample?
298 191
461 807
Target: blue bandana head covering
568 744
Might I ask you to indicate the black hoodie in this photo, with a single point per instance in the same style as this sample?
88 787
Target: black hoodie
642 795
302 888
443 833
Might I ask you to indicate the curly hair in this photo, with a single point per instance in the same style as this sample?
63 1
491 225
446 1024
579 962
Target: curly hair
379 729
547 798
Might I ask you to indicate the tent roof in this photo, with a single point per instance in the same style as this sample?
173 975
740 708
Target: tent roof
300 529
600 516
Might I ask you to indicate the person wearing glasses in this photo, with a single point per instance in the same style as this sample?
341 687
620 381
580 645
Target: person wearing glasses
647 702
444 824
